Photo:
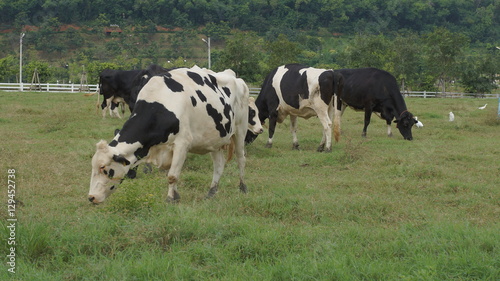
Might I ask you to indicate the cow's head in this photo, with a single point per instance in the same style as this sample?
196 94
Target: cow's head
254 124
404 124
108 170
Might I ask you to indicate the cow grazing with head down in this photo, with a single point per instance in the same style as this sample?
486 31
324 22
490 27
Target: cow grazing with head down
299 91
375 90
183 110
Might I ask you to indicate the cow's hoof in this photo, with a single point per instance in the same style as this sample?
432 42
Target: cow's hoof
328 150
269 145
243 188
211 192
175 199
295 146
321 148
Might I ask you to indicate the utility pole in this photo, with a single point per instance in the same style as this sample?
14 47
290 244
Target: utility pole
21 62
208 44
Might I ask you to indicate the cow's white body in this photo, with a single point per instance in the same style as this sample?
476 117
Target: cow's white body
198 131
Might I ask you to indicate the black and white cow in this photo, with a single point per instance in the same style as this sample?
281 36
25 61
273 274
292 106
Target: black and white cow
299 91
375 90
117 86
184 110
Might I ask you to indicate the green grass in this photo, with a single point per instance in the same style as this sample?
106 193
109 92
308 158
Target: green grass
374 209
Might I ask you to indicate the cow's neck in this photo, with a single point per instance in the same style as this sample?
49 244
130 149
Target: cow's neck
399 104
127 150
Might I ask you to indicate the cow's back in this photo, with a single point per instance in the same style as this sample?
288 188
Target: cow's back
204 109
365 85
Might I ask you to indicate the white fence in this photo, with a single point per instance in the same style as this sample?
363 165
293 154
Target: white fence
48 87
76 88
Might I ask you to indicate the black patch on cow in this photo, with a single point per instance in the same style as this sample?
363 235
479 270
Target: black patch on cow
196 78
211 81
251 116
227 91
326 86
227 113
111 173
193 101
113 143
120 159
173 85
217 117
152 125
294 85
201 96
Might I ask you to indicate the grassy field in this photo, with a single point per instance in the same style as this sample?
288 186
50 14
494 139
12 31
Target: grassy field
374 209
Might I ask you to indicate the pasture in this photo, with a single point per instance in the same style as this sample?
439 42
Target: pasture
374 209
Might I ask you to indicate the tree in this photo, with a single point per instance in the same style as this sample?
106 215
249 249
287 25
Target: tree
8 68
369 51
281 51
478 72
406 59
241 54
43 69
442 48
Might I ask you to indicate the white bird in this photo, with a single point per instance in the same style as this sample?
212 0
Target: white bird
482 107
451 116
418 123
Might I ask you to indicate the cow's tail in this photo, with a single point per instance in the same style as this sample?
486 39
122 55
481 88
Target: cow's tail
98 99
230 149
336 119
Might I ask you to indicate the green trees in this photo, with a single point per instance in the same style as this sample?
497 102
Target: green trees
476 19
8 69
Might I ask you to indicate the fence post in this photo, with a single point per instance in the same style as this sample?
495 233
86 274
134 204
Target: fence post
425 94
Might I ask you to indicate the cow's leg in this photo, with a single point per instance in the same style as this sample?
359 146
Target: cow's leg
239 142
104 107
114 110
273 118
326 141
389 130
218 161
293 130
368 115
178 157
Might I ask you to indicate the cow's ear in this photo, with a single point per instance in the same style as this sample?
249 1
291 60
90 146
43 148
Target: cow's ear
120 159
102 145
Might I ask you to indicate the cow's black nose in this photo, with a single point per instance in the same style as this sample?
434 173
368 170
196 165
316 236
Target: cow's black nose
91 199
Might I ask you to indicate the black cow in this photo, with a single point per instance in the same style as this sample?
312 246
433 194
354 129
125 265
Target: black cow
118 84
299 91
375 90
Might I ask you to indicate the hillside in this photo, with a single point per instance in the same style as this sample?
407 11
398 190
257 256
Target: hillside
425 44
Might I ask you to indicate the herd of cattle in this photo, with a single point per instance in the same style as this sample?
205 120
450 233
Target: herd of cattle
181 110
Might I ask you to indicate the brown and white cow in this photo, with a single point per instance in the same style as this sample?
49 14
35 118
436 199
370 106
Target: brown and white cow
183 110
299 91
